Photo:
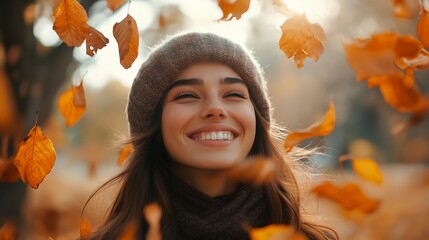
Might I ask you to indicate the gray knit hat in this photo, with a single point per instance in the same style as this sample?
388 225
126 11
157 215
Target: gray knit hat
171 57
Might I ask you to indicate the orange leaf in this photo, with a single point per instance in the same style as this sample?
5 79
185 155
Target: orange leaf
114 4
127 36
71 22
8 171
72 104
407 46
124 152
420 62
153 213
423 28
130 231
276 232
85 229
349 197
368 169
35 158
233 9
321 128
95 41
301 39
256 170
406 8
8 231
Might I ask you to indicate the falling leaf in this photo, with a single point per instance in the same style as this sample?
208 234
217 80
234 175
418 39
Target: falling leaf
283 8
35 158
153 213
423 28
72 104
127 36
233 9
130 231
368 169
321 128
276 232
95 41
349 196
257 170
301 39
406 8
71 22
8 231
85 229
420 62
124 152
114 4
407 47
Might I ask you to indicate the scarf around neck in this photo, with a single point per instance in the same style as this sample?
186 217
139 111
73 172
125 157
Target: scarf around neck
196 215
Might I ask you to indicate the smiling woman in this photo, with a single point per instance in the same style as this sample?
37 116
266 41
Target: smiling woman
197 108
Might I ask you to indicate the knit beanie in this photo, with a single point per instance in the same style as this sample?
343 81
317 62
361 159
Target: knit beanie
174 55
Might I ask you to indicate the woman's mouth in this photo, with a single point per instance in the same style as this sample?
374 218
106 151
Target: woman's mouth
213 136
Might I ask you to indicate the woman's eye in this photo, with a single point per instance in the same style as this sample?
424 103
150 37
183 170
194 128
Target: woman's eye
236 94
184 95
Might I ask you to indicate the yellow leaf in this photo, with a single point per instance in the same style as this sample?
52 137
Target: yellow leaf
301 39
423 28
114 4
71 22
367 169
127 37
233 9
85 229
321 128
35 158
124 152
95 41
72 104
276 232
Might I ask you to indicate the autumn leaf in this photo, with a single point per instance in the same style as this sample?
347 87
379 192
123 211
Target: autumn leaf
349 196
256 170
301 39
321 128
367 169
85 229
407 47
124 152
153 213
423 28
71 22
95 41
127 37
276 232
406 8
233 9
35 158
72 104
114 4
130 231
8 231
420 62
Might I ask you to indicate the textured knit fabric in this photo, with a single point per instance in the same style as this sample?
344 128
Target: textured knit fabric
176 54
199 216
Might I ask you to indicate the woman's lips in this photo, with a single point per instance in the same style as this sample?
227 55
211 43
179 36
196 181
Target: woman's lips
213 136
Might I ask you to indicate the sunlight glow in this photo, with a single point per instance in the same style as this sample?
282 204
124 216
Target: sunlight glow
316 11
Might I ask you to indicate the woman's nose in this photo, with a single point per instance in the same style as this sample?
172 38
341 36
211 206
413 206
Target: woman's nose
213 110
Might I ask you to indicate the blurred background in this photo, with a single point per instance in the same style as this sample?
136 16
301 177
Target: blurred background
36 67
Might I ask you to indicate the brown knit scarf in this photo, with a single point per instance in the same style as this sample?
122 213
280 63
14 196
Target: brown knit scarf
199 216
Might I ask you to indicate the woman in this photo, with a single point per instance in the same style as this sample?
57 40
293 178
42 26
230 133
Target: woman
198 107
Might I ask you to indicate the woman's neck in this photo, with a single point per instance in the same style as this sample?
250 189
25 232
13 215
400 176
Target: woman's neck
211 182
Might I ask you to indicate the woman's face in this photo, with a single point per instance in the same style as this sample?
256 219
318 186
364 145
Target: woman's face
208 120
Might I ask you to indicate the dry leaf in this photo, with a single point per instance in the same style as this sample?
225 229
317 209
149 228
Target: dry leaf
124 152
95 41
153 213
423 28
71 22
8 231
85 229
256 170
130 231
276 232
407 47
321 128
406 8
233 9
127 36
420 62
35 158
72 104
349 196
301 39
367 169
114 4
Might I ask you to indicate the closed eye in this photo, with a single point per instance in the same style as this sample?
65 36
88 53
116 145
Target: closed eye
236 93
183 95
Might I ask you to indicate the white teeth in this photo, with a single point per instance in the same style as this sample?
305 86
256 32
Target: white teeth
222 135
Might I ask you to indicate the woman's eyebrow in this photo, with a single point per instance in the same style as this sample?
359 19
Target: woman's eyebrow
185 82
232 80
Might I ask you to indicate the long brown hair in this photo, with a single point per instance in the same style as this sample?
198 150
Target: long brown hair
143 181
